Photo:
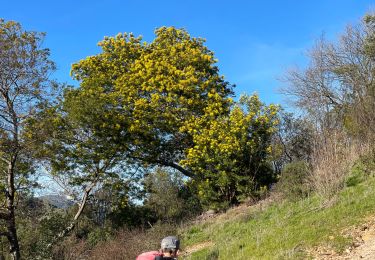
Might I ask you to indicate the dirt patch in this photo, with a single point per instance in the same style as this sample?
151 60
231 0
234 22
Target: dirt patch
363 246
236 212
194 248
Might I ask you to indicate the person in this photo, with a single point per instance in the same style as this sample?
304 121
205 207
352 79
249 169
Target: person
169 250
170 247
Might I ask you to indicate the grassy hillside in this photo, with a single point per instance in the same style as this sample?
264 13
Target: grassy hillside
283 230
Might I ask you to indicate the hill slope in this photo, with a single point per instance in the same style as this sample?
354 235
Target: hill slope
314 227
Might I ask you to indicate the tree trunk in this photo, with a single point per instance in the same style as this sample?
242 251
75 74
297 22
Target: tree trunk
11 221
13 239
73 223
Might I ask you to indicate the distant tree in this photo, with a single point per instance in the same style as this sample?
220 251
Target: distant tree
114 195
366 97
315 89
231 155
169 196
159 89
337 88
293 141
24 83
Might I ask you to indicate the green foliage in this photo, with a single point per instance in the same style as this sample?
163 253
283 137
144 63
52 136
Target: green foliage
25 68
132 216
52 224
71 144
112 205
356 176
37 224
75 151
164 103
293 182
97 235
213 255
362 169
169 196
230 156
368 162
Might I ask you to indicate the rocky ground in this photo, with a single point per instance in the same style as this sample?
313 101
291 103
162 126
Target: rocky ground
363 246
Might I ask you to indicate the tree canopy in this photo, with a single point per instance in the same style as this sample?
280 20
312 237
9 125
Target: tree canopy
158 90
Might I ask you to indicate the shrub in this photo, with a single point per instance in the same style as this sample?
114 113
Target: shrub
362 169
293 183
368 162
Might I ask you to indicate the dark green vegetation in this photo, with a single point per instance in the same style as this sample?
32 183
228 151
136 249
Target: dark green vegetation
152 138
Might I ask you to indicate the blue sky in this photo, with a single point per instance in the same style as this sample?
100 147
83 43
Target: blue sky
254 41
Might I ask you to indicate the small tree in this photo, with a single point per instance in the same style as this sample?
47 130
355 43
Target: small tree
230 155
24 83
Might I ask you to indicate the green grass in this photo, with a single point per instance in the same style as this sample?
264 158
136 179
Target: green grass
286 230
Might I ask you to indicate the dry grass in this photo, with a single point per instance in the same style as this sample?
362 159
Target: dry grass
71 249
127 244
332 159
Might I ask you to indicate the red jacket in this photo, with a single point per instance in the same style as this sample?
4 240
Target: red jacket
149 255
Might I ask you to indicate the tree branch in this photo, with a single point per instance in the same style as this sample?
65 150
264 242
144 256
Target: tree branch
178 167
4 214
73 223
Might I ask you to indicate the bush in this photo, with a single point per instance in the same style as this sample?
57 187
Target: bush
97 235
293 183
368 162
362 169
170 196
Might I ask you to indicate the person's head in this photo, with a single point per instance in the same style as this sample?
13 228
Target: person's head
170 246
